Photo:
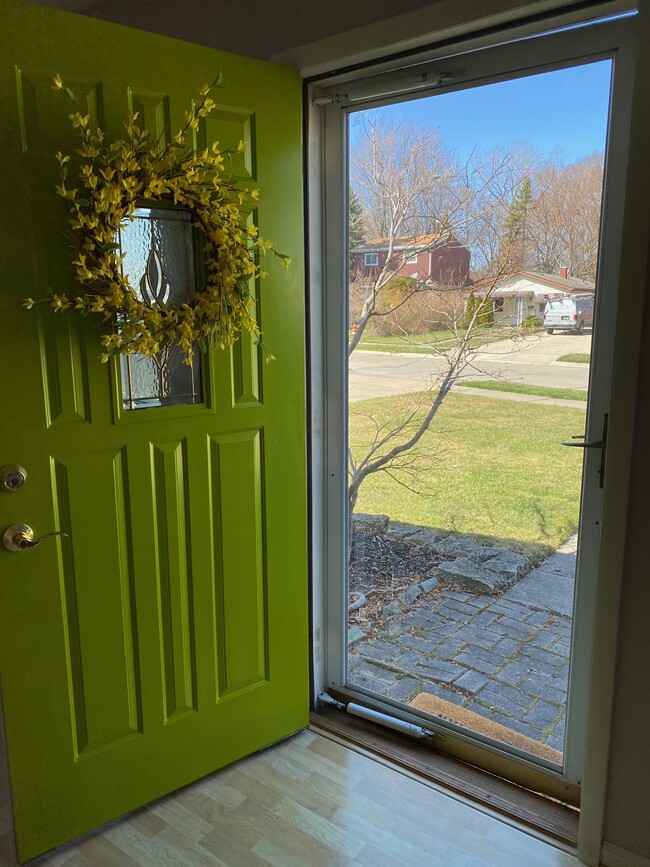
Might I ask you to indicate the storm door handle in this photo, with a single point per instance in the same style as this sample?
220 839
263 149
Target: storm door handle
593 444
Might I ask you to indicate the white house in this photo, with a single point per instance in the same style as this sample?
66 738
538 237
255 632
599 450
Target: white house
525 293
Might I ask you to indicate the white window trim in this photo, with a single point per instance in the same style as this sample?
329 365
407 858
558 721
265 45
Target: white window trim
373 256
422 30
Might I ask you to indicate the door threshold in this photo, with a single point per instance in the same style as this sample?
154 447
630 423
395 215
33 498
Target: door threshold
530 809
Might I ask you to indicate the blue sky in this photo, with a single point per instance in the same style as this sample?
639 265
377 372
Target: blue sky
565 110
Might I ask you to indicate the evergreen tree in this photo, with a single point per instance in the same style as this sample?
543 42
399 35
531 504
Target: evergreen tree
513 252
356 225
470 310
486 312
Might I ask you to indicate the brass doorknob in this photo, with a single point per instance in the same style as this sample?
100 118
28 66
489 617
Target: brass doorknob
20 537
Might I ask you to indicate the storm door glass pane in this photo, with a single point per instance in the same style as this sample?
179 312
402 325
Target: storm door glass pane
158 248
446 484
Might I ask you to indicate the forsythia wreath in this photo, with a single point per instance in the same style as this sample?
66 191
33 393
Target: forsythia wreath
120 176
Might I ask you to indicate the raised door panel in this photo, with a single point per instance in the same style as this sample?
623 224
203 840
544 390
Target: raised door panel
234 130
173 540
241 649
44 126
153 113
98 595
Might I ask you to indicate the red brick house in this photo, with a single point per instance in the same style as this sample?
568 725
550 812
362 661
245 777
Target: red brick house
437 258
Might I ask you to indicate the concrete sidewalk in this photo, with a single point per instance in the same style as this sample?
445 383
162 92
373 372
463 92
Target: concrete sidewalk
522 398
550 586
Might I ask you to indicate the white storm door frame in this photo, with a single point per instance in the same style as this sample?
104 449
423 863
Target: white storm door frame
609 40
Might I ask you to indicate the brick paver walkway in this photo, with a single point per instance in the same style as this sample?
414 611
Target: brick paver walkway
506 658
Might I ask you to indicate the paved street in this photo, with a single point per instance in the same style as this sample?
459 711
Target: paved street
505 658
532 360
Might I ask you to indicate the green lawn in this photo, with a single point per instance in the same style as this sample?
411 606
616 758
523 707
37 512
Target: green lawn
426 343
518 388
576 357
501 476
399 347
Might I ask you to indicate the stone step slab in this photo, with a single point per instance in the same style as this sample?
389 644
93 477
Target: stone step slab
481 578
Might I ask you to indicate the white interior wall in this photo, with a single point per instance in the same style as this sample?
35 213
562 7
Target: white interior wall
627 806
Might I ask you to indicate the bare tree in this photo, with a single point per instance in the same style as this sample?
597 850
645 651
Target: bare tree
396 447
393 166
565 221
416 197
562 220
493 178
408 183
512 208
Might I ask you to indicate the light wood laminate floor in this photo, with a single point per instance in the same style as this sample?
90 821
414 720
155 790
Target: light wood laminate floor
306 801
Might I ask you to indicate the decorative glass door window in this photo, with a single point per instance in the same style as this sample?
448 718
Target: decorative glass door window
158 248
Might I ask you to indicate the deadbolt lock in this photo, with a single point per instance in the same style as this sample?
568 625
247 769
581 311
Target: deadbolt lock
12 478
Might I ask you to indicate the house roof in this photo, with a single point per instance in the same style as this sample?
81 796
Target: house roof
549 282
405 242
570 284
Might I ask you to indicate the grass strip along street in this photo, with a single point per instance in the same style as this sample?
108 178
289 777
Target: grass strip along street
576 357
521 388
427 343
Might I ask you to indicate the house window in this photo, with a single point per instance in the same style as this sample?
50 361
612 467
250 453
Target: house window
370 259
498 305
411 260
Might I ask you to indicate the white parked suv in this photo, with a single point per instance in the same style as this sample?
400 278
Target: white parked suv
569 314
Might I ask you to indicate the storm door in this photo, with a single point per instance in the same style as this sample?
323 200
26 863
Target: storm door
472 304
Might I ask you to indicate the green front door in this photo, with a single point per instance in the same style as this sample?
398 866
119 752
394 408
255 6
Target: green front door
167 636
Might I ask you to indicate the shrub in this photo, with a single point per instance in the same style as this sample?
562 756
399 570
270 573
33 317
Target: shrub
420 309
470 310
531 323
485 314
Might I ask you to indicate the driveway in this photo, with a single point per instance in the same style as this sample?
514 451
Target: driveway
531 360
